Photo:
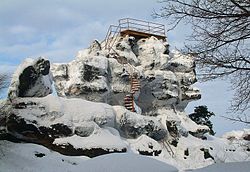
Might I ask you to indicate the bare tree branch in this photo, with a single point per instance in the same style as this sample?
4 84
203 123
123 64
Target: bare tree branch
220 40
3 81
238 119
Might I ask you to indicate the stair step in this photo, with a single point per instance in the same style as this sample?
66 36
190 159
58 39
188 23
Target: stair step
134 86
128 95
129 104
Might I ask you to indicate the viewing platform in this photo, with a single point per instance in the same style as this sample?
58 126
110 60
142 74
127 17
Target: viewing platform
136 28
141 29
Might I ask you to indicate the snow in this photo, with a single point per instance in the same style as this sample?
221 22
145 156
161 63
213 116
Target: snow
101 138
228 167
68 111
236 134
127 163
21 158
15 77
99 124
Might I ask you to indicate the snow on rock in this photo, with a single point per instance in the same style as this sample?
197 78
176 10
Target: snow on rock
103 76
84 77
238 135
31 79
145 145
134 125
70 126
101 138
89 118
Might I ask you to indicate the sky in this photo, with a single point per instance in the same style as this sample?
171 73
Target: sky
58 29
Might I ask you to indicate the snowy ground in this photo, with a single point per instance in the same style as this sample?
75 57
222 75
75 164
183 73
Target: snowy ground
34 158
19 157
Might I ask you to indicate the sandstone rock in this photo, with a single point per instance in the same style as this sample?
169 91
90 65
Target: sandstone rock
85 129
134 125
31 79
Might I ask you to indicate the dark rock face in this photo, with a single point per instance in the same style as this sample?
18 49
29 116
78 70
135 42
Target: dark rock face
206 153
133 127
30 75
199 133
153 153
30 132
172 129
20 130
31 81
247 137
27 79
42 66
90 73
39 155
93 152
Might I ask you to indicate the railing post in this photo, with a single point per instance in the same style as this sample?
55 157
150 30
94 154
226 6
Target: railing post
148 28
128 23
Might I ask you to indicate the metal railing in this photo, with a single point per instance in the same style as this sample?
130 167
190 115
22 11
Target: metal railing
142 26
111 36
132 25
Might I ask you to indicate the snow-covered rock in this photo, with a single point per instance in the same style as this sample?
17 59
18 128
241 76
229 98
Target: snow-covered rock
31 79
134 125
98 75
64 124
88 117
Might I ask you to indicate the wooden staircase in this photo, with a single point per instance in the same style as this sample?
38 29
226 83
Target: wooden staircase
138 29
135 86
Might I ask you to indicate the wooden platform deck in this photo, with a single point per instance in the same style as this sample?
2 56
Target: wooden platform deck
136 28
139 34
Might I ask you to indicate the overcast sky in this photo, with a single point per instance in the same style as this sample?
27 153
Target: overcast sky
58 29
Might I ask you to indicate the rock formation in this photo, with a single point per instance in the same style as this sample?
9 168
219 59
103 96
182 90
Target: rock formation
31 79
89 118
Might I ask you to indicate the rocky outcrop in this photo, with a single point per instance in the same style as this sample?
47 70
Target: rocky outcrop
31 79
43 120
69 125
133 125
104 76
89 118
98 75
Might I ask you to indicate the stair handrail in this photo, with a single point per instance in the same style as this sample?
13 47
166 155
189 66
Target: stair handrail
111 36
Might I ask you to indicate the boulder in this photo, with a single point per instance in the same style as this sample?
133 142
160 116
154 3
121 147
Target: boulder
133 125
31 79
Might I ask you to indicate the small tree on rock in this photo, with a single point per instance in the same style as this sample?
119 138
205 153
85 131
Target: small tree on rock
202 116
